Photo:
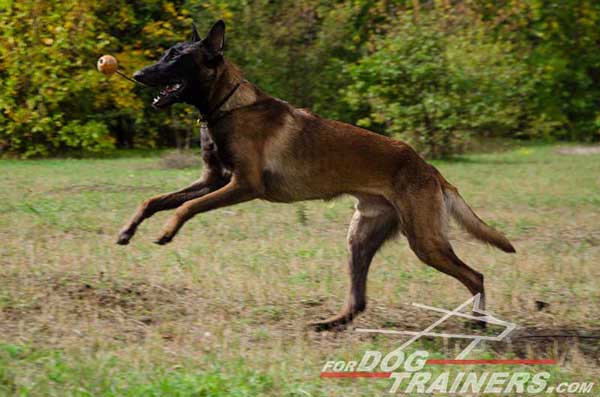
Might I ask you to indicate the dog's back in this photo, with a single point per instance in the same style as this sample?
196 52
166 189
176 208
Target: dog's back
304 156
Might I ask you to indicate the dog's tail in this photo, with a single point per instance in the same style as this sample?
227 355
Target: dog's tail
466 217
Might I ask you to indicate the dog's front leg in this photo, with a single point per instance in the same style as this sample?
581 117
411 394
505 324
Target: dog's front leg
209 183
233 193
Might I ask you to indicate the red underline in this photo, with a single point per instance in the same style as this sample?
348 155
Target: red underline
355 374
491 362
437 362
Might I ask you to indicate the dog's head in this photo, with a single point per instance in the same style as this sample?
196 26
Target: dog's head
186 70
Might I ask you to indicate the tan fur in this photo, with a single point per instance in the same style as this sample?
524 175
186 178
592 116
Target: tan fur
245 95
465 216
269 150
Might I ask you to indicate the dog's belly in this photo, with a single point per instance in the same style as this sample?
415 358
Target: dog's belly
285 188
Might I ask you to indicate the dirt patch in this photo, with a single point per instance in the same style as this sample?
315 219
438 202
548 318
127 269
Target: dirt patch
579 150
563 344
58 305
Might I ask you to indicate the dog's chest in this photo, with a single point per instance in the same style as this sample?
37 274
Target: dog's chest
206 139
212 153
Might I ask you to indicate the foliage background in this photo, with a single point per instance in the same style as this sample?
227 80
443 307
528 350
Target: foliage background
436 73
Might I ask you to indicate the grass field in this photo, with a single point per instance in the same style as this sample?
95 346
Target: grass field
222 310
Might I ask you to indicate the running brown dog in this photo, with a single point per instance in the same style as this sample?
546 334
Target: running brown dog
259 147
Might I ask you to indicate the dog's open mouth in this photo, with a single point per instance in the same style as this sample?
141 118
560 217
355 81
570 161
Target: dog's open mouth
169 94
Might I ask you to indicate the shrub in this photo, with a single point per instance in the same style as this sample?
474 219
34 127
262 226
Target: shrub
435 89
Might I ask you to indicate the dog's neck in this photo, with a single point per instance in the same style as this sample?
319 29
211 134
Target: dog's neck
245 94
227 80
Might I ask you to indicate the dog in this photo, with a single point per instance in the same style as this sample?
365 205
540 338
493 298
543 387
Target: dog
259 147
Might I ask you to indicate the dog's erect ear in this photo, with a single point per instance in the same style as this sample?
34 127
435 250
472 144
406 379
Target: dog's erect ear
216 37
195 35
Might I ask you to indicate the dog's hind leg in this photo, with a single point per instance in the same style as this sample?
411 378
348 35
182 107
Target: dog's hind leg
424 223
374 222
440 255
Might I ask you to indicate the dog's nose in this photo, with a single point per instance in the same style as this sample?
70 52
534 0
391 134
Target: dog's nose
139 75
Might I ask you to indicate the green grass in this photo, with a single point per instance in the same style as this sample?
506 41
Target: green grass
27 371
222 309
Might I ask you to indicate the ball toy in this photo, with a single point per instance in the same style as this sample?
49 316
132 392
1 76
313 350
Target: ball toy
107 64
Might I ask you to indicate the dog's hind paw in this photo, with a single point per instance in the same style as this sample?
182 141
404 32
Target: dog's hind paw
337 323
323 326
476 325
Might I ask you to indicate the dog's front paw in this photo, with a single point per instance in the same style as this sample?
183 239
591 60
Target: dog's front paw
124 237
169 230
165 239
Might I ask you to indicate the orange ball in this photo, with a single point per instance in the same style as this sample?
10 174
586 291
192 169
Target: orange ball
107 64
